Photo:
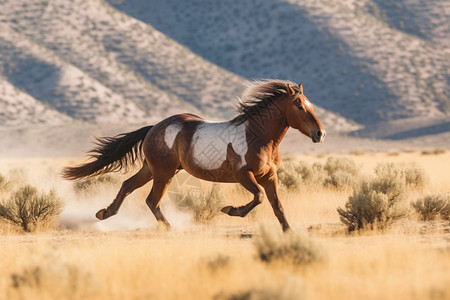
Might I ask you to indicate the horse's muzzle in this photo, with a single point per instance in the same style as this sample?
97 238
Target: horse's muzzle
318 136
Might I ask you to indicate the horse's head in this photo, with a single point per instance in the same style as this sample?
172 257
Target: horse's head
300 115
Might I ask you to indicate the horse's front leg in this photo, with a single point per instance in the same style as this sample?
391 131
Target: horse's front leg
247 179
270 184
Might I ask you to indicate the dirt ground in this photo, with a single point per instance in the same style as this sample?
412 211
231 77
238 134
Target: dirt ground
129 256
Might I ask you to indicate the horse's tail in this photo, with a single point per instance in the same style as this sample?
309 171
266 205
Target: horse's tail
111 155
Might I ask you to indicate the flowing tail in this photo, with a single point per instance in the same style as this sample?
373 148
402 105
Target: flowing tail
111 155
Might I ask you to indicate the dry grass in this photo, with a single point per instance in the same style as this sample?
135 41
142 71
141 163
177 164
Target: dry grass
220 260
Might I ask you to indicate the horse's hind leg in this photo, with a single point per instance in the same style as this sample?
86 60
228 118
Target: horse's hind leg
128 186
153 201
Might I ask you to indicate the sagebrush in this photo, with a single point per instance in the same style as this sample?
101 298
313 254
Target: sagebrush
27 208
204 205
335 172
292 289
294 248
341 172
412 175
92 183
53 278
377 201
430 206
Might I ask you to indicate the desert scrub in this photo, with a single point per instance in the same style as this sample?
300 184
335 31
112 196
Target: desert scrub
415 177
341 172
411 175
4 184
378 201
52 278
292 289
204 205
28 208
288 176
292 175
92 183
430 206
435 151
336 172
291 247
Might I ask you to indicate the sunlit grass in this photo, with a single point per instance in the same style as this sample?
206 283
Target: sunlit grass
129 257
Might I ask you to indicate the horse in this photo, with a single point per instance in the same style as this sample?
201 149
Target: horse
243 150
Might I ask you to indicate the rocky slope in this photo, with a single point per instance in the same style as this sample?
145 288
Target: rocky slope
130 61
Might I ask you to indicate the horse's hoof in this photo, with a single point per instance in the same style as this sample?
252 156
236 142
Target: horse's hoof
232 211
101 214
227 209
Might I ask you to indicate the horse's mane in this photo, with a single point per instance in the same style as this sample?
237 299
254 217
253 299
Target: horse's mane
259 94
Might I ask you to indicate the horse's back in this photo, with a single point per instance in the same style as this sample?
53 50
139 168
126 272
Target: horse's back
200 147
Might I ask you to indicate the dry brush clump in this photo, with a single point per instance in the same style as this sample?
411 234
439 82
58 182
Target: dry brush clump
435 151
430 206
3 183
295 249
379 201
93 183
292 289
204 205
27 208
52 278
341 172
336 172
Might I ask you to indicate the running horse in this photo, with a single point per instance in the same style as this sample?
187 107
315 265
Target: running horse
243 150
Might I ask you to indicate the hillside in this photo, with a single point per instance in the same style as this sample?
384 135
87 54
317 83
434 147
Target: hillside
367 60
135 62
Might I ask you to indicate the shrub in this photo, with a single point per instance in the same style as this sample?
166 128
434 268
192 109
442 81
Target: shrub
336 164
53 278
27 207
93 182
445 211
342 172
204 206
293 248
291 289
312 174
435 151
341 179
337 172
415 176
376 202
412 175
292 175
430 206
288 177
4 184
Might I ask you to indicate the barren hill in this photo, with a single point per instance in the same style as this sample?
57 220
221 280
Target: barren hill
84 62
368 60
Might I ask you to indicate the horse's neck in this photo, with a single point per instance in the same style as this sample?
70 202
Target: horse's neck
269 128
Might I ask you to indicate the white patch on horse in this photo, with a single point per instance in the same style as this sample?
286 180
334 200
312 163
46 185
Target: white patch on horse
308 103
210 142
171 133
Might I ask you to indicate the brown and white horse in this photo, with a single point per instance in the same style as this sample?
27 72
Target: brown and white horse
244 149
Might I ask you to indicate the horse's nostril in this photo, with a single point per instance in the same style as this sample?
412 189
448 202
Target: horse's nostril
319 133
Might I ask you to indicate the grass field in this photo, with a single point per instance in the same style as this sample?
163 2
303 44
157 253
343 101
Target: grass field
129 257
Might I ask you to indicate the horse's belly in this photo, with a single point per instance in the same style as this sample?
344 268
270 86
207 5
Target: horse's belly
218 175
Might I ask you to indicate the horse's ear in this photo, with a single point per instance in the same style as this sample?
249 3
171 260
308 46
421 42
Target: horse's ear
300 86
290 90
